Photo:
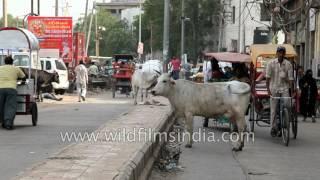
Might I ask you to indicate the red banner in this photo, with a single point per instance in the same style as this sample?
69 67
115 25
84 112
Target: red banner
53 33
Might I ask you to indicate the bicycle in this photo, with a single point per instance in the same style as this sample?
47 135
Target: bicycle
283 118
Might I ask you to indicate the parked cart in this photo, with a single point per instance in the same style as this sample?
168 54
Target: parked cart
23 46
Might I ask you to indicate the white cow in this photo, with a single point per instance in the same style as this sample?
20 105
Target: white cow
189 99
144 77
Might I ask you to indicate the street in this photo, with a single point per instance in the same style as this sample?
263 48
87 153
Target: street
264 159
27 145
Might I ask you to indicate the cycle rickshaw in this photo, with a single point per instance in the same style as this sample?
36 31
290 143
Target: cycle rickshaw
259 110
23 46
227 59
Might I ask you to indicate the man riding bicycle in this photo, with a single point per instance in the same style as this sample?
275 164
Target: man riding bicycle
279 74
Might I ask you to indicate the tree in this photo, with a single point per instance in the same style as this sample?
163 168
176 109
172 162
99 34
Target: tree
116 38
12 21
200 30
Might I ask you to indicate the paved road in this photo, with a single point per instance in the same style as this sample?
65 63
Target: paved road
27 145
205 160
264 159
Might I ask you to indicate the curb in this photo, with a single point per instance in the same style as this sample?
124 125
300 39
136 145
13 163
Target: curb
140 164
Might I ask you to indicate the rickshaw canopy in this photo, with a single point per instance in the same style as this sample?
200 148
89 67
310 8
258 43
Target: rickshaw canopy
17 39
270 50
230 57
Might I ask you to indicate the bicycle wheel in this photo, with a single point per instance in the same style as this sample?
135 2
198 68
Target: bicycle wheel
294 124
285 127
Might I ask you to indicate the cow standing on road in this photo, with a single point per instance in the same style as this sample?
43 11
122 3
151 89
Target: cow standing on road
189 99
145 77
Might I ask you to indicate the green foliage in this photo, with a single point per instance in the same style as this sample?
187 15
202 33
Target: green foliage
117 37
203 23
12 21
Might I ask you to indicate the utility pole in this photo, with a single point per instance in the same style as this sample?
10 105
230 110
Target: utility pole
166 33
244 30
182 30
38 7
151 39
220 33
97 35
57 8
32 7
5 18
140 11
239 28
85 18
89 32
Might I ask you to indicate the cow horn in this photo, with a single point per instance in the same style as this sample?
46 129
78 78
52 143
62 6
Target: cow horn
158 72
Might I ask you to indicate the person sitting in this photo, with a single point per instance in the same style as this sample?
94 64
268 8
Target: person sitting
93 70
228 72
216 70
240 72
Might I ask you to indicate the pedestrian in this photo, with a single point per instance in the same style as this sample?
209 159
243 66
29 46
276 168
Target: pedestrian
207 70
279 75
81 80
309 93
176 65
9 74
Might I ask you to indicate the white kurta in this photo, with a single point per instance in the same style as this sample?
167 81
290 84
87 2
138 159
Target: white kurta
207 71
81 74
81 80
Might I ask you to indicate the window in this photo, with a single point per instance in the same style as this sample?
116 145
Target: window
60 65
233 14
48 65
21 60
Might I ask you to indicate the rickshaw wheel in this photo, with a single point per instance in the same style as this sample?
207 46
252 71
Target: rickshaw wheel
285 127
251 117
114 88
34 114
294 124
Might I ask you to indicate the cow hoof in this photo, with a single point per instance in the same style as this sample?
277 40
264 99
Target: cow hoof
188 146
206 122
237 149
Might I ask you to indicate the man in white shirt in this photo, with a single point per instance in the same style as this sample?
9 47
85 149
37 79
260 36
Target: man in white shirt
81 80
93 70
279 74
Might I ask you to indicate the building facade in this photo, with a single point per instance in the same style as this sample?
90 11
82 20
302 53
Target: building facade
244 23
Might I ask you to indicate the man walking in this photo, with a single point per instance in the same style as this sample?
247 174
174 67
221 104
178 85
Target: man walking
176 65
81 80
279 74
9 75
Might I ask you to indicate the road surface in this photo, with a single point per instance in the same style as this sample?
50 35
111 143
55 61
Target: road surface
264 159
26 145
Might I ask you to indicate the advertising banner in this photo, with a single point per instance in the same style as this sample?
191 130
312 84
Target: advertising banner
53 33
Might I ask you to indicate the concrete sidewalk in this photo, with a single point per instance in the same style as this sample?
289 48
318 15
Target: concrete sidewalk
103 158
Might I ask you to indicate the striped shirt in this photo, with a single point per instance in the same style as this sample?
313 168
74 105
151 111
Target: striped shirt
279 74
